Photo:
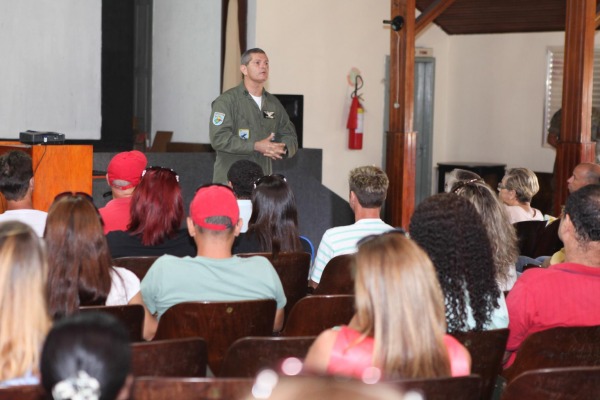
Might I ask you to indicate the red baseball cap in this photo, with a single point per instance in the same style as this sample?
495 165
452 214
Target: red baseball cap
214 201
126 166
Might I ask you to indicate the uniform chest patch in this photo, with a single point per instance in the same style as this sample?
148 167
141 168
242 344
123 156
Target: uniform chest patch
244 134
218 118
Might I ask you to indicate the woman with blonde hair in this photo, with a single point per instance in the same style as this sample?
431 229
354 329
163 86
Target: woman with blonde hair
400 323
501 233
24 319
516 190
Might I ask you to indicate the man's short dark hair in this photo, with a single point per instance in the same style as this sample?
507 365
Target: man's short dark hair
242 174
247 55
583 208
370 185
15 173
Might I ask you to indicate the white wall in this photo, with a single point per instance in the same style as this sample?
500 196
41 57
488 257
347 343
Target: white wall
186 61
50 68
489 89
495 100
312 45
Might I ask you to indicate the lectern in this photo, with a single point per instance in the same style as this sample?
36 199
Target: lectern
56 169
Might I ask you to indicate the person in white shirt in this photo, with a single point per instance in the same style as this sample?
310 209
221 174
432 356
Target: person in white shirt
241 177
368 189
16 185
516 190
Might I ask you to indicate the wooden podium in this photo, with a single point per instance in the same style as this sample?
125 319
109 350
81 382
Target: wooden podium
56 168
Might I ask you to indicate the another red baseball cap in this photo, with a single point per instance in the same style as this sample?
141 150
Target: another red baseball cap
214 201
128 167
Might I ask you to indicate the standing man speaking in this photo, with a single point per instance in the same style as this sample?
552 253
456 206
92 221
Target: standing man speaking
247 122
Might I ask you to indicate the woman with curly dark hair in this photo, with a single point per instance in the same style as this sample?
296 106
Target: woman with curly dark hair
451 231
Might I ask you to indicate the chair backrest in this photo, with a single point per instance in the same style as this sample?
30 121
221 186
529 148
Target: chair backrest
548 242
458 388
171 357
314 314
158 388
527 233
337 277
247 356
219 323
575 383
138 265
487 350
24 392
292 269
556 348
130 315
160 141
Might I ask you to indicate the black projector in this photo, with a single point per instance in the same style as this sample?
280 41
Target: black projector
34 137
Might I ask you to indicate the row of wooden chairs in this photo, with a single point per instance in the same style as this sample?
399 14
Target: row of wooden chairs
221 323
557 347
161 388
580 383
292 268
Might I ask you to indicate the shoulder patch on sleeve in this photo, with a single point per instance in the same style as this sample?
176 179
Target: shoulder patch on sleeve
218 118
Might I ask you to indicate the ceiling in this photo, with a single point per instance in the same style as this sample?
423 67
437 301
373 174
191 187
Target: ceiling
500 16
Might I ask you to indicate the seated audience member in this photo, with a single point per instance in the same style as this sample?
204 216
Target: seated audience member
583 174
24 320
451 232
81 271
273 225
368 189
123 174
87 356
16 185
516 190
156 219
564 294
241 176
460 175
399 326
501 233
214 274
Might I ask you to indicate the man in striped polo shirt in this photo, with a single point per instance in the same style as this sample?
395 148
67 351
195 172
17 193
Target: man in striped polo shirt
368 189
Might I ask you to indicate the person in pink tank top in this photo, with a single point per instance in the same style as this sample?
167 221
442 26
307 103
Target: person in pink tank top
399 329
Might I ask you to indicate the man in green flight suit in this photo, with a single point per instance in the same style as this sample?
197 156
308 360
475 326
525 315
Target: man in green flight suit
247 122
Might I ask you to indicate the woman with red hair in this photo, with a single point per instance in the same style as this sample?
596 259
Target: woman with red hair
156 219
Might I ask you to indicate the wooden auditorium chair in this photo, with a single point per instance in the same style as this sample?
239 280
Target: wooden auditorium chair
247 356
219 323
130 315
171 357
292 268
337 276
314 314
573 383
487 351
139 265
556 348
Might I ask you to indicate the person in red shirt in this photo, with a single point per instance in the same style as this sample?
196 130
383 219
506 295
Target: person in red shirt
123 174
564 294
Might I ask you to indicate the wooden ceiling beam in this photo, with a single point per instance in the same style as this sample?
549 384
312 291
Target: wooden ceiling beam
428 15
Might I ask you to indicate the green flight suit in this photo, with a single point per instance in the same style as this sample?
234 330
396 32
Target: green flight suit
237 122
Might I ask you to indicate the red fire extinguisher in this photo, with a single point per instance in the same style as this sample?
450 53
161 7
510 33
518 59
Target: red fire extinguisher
355 120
